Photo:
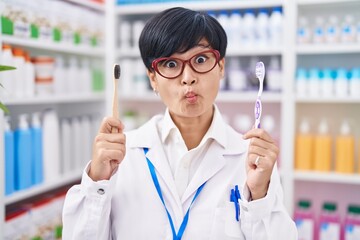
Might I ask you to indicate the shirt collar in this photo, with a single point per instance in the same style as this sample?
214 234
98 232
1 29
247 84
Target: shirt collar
216 130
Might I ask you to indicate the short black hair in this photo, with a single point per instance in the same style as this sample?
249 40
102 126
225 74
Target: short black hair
178 30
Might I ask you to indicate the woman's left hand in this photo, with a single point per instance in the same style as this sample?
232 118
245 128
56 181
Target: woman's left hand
261 158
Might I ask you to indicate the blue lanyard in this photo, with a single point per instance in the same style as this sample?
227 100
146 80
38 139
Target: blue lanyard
177 236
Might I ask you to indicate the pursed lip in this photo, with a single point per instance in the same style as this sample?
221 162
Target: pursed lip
191 97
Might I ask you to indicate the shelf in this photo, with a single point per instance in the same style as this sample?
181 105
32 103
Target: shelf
223 97
135 9
312 176
250 51
75 98
24 194
312 49
320 2
54 47
326 100
89 4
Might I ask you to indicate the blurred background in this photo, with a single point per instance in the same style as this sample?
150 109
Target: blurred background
64 51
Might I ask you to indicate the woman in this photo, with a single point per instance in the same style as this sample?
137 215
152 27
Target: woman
187 174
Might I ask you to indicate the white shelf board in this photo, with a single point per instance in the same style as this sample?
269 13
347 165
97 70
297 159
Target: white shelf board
318 2
249 51
223 97
42 188
313 176
55 47
328 99
69 98
151 8
325 48
89 4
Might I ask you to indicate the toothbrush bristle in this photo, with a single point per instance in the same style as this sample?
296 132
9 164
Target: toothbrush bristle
259 69
117 71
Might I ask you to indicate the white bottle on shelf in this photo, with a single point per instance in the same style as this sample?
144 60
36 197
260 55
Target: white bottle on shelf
29 70
66 146
327 83
85 77
51 145
355 82
235 29
276 27
7 77
303 32
223 19
19 73
314 82
249 23
236 75
262 27
77 156
60 86
124 35
242 123
126 85
274 74
332 34
85 125
348 29
341 83
318 30
72 79
137 27
301 83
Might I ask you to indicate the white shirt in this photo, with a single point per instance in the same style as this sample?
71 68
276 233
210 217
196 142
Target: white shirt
127 207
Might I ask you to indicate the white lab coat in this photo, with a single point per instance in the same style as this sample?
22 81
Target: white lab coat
127 207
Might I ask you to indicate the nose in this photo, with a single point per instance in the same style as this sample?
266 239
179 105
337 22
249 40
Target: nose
188 76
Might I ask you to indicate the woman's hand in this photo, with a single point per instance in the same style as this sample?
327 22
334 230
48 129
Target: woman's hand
108 149
263 148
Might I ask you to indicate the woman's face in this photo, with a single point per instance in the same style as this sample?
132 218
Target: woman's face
191 94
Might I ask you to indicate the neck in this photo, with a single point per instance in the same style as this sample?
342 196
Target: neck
194 129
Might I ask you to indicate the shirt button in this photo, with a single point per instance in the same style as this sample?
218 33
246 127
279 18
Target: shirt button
100 191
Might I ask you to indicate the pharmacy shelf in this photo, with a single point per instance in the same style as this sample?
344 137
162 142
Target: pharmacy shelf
54 47
137 9
223 97
326 100
89 4
313 176
320 2
249 51
56 99
313 49
42 188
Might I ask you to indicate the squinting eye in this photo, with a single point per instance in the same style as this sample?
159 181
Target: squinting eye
170 64
200 59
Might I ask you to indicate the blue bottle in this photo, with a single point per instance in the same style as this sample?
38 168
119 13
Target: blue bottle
9 158
37 150
23 153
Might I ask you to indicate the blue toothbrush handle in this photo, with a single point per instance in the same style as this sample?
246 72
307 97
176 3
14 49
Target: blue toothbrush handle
257 112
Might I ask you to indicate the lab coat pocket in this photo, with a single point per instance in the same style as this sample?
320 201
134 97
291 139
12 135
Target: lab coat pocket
225 226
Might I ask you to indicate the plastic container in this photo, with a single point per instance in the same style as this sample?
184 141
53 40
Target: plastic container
249 23
9 158
7 77
37 152
262 25
301 82
44 74
305 220
332 34
236 75
276 27
303 32
319 30
329 222
345 150
67 165
19 73
235 28
322 148
60 86
348 29
327 83
355 82
29 77
341 83
314 83
352 223
274 74
23 153
51 140
304 144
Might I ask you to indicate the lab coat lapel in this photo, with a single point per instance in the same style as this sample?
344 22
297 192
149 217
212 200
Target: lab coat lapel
163 171
212 163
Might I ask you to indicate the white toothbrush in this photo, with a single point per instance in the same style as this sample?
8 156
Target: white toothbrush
260 74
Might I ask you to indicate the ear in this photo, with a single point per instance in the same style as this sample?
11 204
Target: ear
222 67
152 78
